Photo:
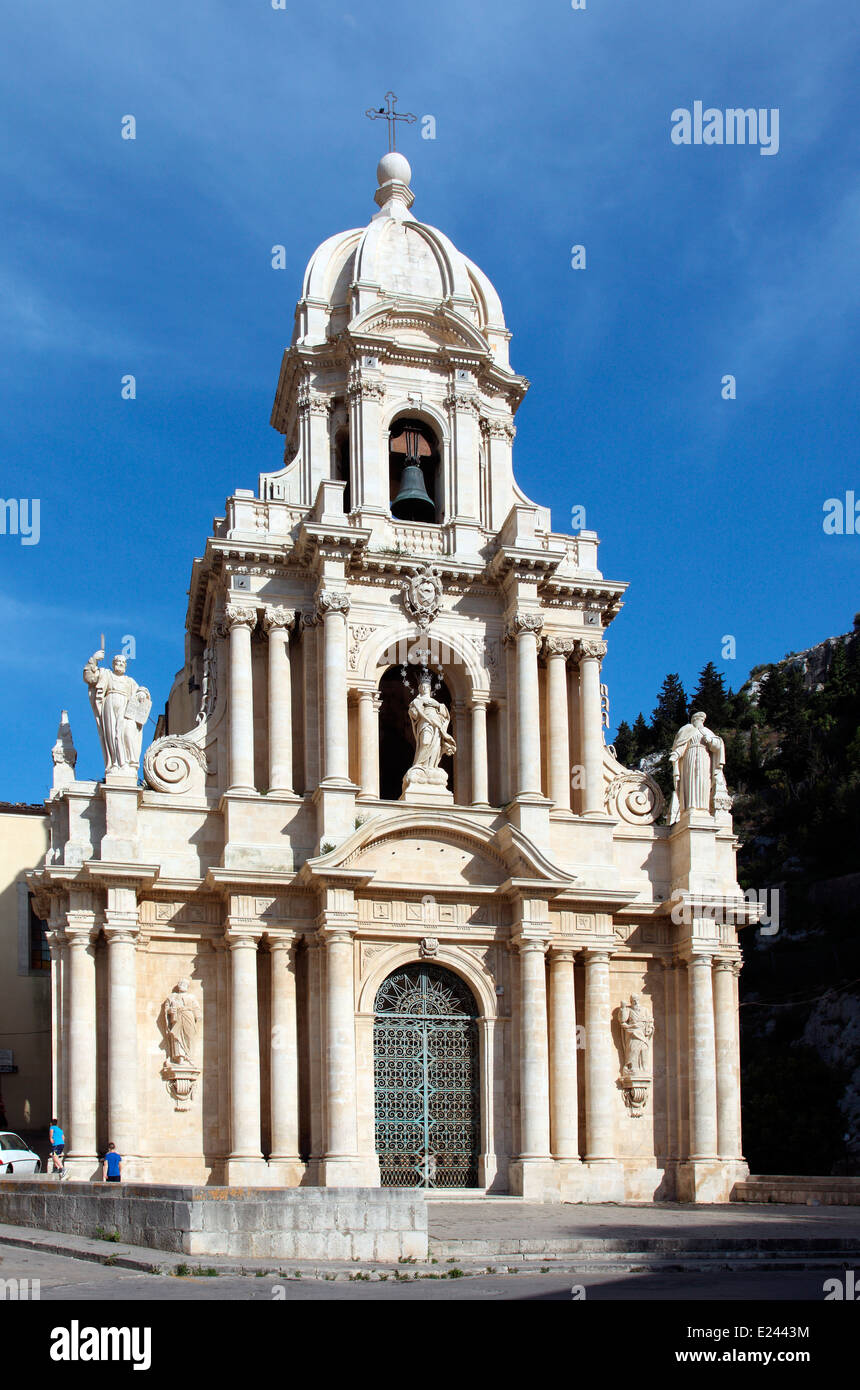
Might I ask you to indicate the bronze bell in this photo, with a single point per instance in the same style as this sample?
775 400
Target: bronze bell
413 502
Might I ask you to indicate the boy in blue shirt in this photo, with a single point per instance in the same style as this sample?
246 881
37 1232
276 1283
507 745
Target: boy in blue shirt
112 1165
56 1148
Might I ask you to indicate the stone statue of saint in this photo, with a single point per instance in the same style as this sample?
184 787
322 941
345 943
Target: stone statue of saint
430 720
181 1014
121 708
698 758
637 1029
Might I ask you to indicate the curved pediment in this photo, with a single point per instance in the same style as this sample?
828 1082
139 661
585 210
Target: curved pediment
411 324
425 858
426 849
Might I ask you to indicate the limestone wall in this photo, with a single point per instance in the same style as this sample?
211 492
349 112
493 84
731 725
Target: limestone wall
311 1224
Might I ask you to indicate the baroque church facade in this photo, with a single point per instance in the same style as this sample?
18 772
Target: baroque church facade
385 908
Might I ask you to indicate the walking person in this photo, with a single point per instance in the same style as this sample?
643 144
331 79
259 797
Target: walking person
57 1148
112 1165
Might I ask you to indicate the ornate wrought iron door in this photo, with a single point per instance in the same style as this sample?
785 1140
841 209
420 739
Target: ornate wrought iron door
426 1072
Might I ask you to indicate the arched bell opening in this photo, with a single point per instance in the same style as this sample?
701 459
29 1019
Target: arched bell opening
398 687
413 471
341 465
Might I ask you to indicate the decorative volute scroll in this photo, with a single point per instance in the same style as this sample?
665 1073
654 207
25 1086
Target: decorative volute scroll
637 1030
630 794
175 764
422 595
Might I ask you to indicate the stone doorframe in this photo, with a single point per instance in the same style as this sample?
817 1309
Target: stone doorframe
491 1040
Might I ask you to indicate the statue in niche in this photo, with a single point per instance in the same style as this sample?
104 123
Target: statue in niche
637 1030
698 757
121 708
181 1015
430 719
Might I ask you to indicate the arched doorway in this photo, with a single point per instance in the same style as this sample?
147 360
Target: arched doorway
426 1074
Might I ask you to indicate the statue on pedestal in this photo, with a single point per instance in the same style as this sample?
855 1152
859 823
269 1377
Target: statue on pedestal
698 757
181 1014
429 719
637 1030
121 708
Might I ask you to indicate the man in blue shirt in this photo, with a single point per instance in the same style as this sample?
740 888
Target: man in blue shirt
56 1148
111 1165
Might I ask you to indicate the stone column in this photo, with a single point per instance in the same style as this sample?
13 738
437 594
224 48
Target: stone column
591 655
240 622
334 606
245 1164
80 1123
340 1165
599 1069
369 702
525 629
284 1063
557 650
278 622
121 934
564 1106
702 1054
727 1057
480 785
532 1171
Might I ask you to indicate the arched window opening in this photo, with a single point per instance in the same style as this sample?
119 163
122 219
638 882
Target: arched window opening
341 466
413 469
398 688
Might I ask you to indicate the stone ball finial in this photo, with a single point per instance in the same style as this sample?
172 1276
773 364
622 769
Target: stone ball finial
393 166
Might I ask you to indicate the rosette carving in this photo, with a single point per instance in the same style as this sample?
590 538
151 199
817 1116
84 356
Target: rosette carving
175 764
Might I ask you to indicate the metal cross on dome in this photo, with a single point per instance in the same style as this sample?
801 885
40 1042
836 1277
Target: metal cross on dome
388 114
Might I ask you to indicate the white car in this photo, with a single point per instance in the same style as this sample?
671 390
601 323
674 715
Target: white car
15 1157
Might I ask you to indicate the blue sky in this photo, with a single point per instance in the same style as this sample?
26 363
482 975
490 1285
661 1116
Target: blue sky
152 257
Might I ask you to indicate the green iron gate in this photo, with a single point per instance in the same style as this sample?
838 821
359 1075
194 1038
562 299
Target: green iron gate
426 1071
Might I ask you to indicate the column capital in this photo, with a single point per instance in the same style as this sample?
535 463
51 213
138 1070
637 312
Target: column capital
479 699
278 619
596 956
121 930
525 942
559 646
284 941
332 601
336 934
563 951
727 963
524 622
587 650
701 958
239 615
240 938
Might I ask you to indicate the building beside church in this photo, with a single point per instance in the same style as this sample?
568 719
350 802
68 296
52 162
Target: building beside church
386 909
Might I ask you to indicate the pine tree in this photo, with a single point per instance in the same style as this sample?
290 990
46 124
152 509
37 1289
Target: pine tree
641 739
712 698
624 743
670 712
